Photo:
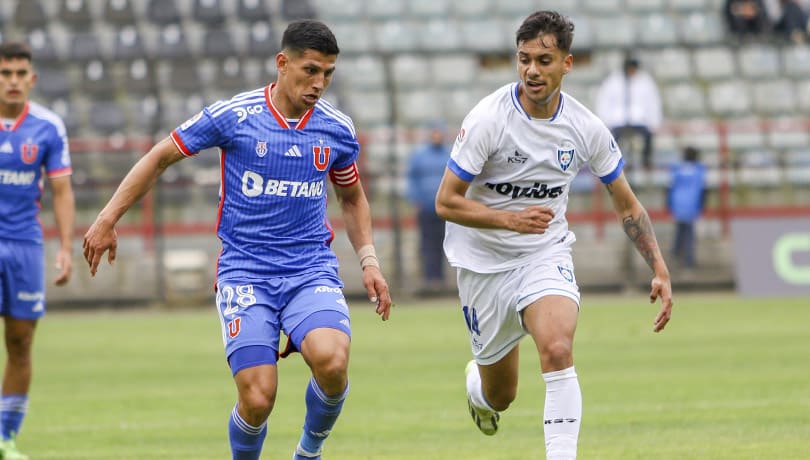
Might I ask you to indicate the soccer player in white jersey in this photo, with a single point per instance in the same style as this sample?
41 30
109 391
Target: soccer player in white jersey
279 145
33 145
504 195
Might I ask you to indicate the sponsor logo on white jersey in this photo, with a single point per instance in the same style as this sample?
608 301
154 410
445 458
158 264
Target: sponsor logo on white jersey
517 158
6 147
322 289
243 112
8 177
253 185
293 151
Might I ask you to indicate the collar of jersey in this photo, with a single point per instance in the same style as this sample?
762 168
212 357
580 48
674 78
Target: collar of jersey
18 121
282 121
519 106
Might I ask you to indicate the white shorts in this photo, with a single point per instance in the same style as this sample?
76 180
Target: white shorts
492 302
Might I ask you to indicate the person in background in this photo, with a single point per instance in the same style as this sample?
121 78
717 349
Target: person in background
792 25
33 144
746 19
628 101
425 168
686 197
280 146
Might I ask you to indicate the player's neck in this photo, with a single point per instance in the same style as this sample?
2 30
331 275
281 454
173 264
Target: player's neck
11 111
544 109
284 105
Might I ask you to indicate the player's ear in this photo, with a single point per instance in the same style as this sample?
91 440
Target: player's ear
281 62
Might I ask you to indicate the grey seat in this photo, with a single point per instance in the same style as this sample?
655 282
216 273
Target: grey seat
128 44
715 63
657 29
97 80
730 98
139 78
30 14
297 9
261 40
253 11
163 12
85 46
52 81
208 12
75 14
107 118
43 47
218 43
119 12
759 61
172 43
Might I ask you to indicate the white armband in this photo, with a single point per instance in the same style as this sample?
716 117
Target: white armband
368 257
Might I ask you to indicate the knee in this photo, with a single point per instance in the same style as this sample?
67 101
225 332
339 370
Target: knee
331 370
18 347
557 355
257 403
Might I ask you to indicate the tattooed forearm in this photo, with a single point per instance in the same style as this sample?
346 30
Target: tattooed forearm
640 231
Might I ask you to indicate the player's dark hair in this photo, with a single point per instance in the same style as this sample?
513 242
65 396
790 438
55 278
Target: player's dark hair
547 22
691 154
15 50
309 34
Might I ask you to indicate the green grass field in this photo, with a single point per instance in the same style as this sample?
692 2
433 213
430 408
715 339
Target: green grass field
728 379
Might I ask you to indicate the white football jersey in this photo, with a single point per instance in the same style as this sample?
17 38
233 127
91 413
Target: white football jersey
514 161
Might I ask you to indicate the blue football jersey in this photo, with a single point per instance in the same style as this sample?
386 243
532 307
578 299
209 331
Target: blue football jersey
34 142
272 209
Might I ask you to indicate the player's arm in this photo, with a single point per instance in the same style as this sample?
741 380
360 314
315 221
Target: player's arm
64 211
357 217
143 175
637 226
453 205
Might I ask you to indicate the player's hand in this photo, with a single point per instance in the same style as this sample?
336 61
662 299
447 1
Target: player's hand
377 290
65 266
100 237
661 287
534 219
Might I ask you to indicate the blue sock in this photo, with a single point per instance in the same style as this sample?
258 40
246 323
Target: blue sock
246 440
12 412
322 413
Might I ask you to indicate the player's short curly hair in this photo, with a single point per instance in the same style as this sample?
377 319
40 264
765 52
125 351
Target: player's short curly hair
15 50
547 23
309 34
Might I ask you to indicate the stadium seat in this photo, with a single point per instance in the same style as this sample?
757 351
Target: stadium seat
75 14
601 7
230 76
583 34
394 36
138 78
686 6
30 14
52 81
645 6
428 9
759 61
172 43
745 135
683 100
42 46
414 105
252 11
145 116
457 102
410 71
730 98
353 37
774 97
438 35
97 80
671 65
341 10
657 29
453 70
218 43
715 63
128 44
163 12
367 71
297 9
85 46
119 12
261 40
796 60
368 108
787 132
472 9
700 133
803 93
107 118
614 31
516 8
182 76
485 36
385 9
208 12
701 28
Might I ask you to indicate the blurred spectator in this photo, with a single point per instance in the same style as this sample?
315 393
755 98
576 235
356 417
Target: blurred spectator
746 18
425 168
685 200
628 102
792 25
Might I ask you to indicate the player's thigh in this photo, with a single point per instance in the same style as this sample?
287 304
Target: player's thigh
318 303
22 280
249 318
551 321
488 305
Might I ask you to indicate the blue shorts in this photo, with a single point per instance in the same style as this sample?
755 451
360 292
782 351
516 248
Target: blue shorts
253 313
22 279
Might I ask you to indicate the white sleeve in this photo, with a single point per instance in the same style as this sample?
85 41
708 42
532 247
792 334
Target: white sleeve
475 142
605 158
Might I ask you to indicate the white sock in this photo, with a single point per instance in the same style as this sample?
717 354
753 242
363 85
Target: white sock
475 391
562 414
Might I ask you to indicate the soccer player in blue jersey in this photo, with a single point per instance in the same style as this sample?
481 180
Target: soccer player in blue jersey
279 145
33 145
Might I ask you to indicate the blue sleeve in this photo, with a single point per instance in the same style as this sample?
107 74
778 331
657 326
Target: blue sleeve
204 130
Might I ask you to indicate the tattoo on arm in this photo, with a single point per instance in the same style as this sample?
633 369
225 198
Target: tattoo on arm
640 231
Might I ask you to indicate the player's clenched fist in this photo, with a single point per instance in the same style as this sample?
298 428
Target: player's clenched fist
534 219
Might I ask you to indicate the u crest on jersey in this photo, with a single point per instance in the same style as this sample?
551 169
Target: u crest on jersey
261 148
320 157
28 152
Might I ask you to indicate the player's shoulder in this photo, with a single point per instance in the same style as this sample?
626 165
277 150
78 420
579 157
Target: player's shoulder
47 116
239 103
578 114
332 115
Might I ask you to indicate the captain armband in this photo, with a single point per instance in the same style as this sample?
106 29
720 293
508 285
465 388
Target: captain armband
368 257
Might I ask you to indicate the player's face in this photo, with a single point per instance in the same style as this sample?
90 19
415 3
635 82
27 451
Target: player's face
17 77
303 78
541 66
